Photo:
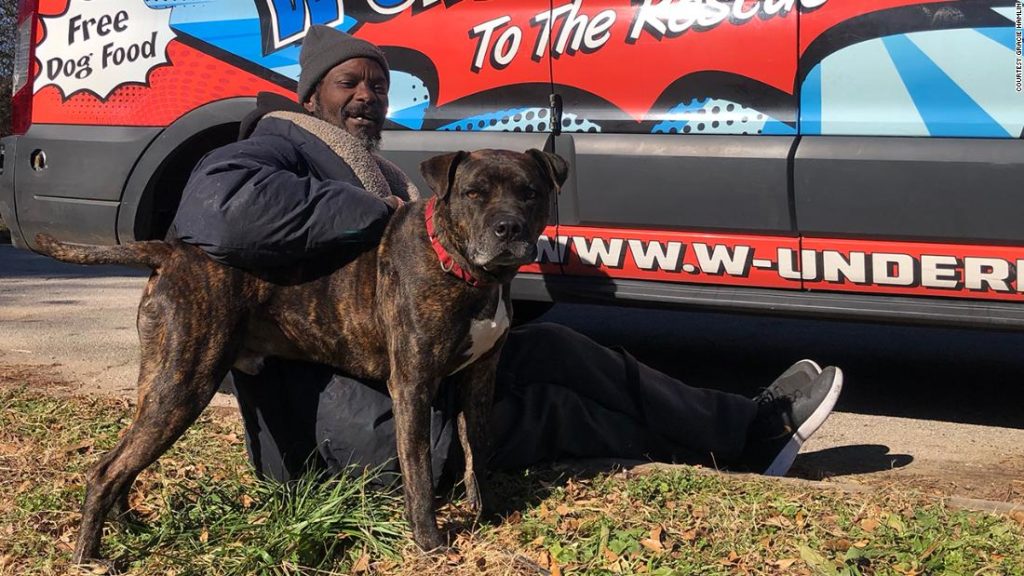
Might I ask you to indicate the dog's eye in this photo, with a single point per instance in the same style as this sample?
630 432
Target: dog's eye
472 194
529 193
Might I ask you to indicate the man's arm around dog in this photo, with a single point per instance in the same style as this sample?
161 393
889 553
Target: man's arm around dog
278 197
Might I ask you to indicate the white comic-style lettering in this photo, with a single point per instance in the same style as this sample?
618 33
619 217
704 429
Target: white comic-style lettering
99 45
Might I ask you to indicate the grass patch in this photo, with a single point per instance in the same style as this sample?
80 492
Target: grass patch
265 528
687 522
200 511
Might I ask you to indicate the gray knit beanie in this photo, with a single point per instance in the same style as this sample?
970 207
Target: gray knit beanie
324 48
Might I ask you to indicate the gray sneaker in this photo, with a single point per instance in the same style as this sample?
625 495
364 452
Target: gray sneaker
789 412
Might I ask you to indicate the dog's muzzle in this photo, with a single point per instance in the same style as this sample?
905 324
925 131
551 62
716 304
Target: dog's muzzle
505 254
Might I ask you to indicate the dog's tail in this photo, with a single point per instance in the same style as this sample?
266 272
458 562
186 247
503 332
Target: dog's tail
151 254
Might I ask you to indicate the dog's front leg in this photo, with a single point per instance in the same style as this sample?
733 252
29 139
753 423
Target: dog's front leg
411 399
475 386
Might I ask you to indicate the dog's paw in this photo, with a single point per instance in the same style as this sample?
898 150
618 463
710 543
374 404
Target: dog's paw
431 541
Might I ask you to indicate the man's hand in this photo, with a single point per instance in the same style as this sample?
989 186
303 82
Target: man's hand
394 202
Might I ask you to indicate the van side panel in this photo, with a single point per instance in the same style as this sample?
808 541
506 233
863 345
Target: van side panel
8 207
686 130
673 182
831 148
75 193
946 189
907 178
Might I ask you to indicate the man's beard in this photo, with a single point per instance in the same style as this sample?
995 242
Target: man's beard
369 141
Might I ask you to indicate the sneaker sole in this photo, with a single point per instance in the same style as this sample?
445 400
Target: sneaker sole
812 363
787 455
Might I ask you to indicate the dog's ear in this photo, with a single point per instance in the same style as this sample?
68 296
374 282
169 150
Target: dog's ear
553 165
439 172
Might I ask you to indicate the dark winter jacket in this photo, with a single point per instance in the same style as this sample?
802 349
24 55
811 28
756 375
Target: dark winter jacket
293 190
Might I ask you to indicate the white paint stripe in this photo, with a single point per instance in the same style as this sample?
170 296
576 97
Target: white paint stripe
1009 11
862 93
982 67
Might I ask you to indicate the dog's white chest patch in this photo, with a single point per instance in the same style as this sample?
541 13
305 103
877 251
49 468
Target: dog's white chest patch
484 334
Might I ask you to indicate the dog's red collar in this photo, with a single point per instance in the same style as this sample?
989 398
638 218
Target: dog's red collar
448 263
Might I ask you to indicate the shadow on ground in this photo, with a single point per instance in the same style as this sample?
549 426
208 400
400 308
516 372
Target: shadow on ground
847 460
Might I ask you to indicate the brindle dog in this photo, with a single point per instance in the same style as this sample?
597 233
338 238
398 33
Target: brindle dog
415 310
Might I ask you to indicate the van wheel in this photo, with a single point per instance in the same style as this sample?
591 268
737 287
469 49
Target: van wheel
524 311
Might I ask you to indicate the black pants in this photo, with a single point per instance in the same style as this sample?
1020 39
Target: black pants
559 395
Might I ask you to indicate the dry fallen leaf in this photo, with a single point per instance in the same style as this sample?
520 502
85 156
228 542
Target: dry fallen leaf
785 563
869 524
779 521
838 544
83 447
689 535
204 535
928 551
231 438
731 559
362 564
562 510
654 542
652 545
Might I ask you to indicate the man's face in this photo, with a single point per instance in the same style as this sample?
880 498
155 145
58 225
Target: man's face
354 96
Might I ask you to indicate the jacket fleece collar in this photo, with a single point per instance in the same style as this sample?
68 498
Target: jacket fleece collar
378 175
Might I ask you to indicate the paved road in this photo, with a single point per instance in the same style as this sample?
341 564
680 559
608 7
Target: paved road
937 407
